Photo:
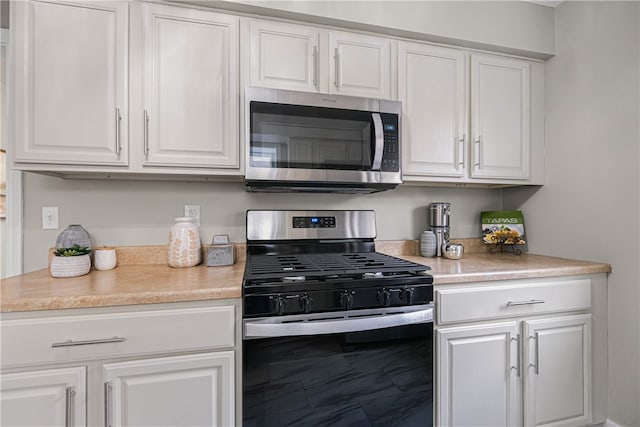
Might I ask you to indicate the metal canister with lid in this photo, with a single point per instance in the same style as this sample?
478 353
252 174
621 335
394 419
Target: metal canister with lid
439 214
439 224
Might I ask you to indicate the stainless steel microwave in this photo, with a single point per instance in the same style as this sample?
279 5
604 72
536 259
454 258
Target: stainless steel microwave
311 142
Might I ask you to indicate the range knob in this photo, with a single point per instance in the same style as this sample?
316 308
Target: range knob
346 299
384 297
279 304
407 295
305 303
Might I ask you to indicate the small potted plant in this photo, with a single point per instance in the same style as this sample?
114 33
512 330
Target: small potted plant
70 262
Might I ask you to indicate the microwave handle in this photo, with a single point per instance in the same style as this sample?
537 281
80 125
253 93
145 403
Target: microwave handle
379 137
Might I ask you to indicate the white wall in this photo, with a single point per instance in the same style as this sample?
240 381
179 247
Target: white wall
514 27
589 207
141 212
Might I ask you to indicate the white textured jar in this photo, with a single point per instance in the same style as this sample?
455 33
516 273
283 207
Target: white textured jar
104 258
185 249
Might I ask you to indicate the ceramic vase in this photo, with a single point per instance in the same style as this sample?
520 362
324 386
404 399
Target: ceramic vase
104 258
70 266
73 235
428 244
185 248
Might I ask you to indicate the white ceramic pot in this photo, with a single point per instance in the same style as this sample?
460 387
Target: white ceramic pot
185 248
104 258
70 266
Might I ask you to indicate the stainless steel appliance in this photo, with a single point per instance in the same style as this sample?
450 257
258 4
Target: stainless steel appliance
334 333
439 224
311 142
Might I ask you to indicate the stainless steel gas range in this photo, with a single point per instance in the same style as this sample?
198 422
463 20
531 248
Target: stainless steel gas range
334 333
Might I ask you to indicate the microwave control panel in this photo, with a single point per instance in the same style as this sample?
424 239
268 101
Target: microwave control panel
391 153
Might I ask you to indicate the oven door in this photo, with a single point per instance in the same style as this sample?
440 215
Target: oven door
362 367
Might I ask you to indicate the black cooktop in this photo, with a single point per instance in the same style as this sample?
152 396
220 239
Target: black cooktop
373 264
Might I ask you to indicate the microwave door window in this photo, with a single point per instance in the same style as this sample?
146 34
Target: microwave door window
311 141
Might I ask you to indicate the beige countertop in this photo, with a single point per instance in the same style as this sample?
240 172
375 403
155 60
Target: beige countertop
142 276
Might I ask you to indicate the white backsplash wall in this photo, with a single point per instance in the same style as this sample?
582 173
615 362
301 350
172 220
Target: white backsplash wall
590 203
129 213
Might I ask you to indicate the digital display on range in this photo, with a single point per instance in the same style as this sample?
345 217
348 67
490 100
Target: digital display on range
314 222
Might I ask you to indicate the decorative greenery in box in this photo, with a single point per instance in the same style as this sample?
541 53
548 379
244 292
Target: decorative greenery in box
70 262
75 250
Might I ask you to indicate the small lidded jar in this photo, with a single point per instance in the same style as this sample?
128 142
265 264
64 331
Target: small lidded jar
185 248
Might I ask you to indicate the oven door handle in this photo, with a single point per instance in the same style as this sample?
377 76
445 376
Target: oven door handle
378 132
274 327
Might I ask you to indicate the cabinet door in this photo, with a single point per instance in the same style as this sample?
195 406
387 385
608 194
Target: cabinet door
70 72
55 397
557 379
190 88
478 372
284 56
189 390
500 114
360 65
432 87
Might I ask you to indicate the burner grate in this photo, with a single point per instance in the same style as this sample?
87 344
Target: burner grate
261 266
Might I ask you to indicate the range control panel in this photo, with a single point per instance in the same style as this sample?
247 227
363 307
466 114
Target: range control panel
314 222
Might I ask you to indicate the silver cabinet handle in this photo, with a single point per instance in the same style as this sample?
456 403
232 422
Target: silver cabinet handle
71 343
118 120
336 56
476 144
461 149
536 366
315 67
107 404
379 135
70 393
146 132
517 367
529 302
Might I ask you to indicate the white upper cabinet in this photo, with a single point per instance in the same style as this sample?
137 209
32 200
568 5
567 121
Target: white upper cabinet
284 56
108 87
70 82
189 108
469 118
360 65
309 59
432 84
500 117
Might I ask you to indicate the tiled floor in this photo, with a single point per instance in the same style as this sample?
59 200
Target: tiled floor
378 378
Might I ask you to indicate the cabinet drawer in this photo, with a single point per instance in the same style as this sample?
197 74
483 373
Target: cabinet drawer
101 336
479 303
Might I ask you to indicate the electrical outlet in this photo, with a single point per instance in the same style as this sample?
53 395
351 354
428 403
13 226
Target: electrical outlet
50 218
193 211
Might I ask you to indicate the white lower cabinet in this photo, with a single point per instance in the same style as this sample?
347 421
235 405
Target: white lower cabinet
51 397
476 385
191 390
532 369
557 379
166 364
